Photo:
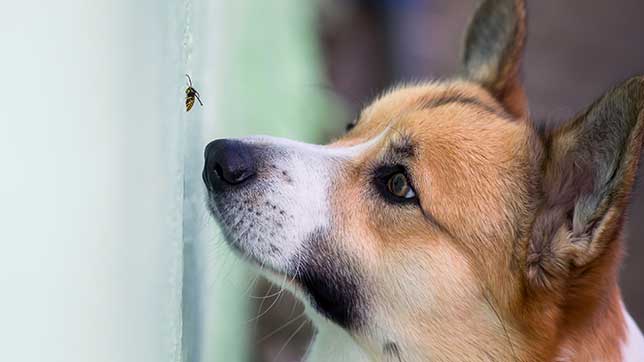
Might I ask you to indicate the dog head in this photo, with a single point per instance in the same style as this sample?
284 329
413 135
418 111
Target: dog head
444 223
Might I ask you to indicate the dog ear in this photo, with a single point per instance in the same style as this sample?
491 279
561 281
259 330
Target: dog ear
590 168
493 51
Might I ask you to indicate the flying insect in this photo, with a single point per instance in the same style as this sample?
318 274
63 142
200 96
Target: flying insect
191 95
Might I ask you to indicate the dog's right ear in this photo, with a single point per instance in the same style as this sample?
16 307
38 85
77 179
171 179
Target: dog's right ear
494 49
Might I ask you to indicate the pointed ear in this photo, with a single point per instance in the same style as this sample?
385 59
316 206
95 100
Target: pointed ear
494 49
590 169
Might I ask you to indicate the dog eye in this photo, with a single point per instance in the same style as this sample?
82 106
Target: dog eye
399 186
350 126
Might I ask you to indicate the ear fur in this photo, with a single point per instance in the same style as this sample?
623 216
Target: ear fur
590 167
493 51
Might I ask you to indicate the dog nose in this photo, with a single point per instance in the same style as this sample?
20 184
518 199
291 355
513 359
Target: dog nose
228 162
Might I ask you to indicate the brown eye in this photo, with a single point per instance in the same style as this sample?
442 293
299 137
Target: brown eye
399 186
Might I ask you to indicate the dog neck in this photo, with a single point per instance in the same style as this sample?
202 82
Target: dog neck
587 343
593 332
591 327
333 343
593 323
605 332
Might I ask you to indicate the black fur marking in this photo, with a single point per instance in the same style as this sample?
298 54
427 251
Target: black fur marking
332 283
471 101
399 152
274 248
391 349
403 150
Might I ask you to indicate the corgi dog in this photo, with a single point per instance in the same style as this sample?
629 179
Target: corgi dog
444 225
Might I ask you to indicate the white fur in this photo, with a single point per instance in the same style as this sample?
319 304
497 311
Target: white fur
633 348
333 343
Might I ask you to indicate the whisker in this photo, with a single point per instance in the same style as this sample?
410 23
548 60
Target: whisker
505 330
275 331
290 338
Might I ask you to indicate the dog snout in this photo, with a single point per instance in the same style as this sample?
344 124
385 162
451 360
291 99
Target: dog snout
228 163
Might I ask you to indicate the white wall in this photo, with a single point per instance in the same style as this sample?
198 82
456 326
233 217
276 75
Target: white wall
216 284
91 180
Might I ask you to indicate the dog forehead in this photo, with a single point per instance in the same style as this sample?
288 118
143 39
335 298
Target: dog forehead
406 106
403 99
458 113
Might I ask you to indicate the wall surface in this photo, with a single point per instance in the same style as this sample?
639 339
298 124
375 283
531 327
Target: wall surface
216 283
91 148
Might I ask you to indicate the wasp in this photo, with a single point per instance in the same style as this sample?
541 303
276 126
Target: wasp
191 94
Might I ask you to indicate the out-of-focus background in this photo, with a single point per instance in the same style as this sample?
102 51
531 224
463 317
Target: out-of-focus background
108 253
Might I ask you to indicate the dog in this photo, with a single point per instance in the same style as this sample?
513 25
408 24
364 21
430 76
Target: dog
445 225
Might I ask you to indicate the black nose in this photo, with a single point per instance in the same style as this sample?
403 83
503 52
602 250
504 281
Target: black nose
228 162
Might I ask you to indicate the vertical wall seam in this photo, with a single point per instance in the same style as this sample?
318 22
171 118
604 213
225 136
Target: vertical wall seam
186 54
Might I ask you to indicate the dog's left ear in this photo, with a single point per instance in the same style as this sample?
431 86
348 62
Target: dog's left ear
590 168
493 51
